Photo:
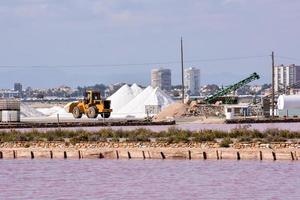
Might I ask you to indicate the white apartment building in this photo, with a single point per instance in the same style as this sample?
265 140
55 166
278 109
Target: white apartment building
161 78
6 93
285 76
192 80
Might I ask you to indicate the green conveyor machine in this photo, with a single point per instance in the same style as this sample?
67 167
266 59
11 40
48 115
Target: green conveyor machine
231 88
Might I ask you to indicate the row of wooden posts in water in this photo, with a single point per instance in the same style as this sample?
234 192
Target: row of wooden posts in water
141 154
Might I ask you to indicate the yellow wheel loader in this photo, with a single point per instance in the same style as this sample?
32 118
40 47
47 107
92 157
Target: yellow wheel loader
91 106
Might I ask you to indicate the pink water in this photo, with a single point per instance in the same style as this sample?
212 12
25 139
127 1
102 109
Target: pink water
149 179
186 126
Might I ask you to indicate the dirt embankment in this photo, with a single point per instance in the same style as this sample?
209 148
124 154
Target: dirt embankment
149 150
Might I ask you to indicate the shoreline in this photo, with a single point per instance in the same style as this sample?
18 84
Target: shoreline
140 150
239 144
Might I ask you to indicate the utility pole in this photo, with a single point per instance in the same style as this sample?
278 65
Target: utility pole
182 72
273 86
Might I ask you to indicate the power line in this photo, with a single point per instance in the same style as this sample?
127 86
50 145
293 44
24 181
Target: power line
288 58
132 64
228 58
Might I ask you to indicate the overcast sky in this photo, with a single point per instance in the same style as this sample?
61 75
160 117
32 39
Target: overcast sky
100 37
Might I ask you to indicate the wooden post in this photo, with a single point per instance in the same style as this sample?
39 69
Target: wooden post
149 156
51 154
182 70
117 154
129 156
238 156
292 155
162 155
217 154
204 155
273 85
190 155
57 120
101 155
79 154
65 155
32 155
260 155
274 155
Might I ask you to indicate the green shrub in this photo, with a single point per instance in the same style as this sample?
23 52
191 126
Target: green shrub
226 142
245 139
172 135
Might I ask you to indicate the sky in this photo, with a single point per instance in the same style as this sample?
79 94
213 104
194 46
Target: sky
48 43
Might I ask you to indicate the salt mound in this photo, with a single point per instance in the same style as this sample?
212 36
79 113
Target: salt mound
49 111
149 96
121 97
27 111
62 114
136 89
136 104
173 110
159 97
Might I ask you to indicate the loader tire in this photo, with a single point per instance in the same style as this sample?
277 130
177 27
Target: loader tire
105 115
76 113
92 112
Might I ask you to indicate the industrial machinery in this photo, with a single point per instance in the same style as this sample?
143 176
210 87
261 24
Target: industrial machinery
267 100
91 105
213 98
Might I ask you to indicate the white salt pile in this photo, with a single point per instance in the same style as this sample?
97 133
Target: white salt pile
62 113
27 111
149 97
159 97
124 95
136 89
135 104
49 111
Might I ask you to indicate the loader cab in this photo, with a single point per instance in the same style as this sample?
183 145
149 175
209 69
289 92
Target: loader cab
91 96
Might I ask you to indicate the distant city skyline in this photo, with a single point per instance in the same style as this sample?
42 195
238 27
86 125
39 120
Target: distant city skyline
226 39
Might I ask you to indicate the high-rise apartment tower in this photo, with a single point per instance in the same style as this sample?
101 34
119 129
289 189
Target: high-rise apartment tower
192 80
285 76
18 88
161 78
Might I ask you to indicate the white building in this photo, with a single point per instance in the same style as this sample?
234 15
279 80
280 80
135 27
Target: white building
9 93
285 76
161 78
192 80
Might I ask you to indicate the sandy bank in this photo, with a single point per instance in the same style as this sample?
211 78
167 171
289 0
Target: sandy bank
148 150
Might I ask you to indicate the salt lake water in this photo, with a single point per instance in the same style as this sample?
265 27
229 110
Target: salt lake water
149 179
